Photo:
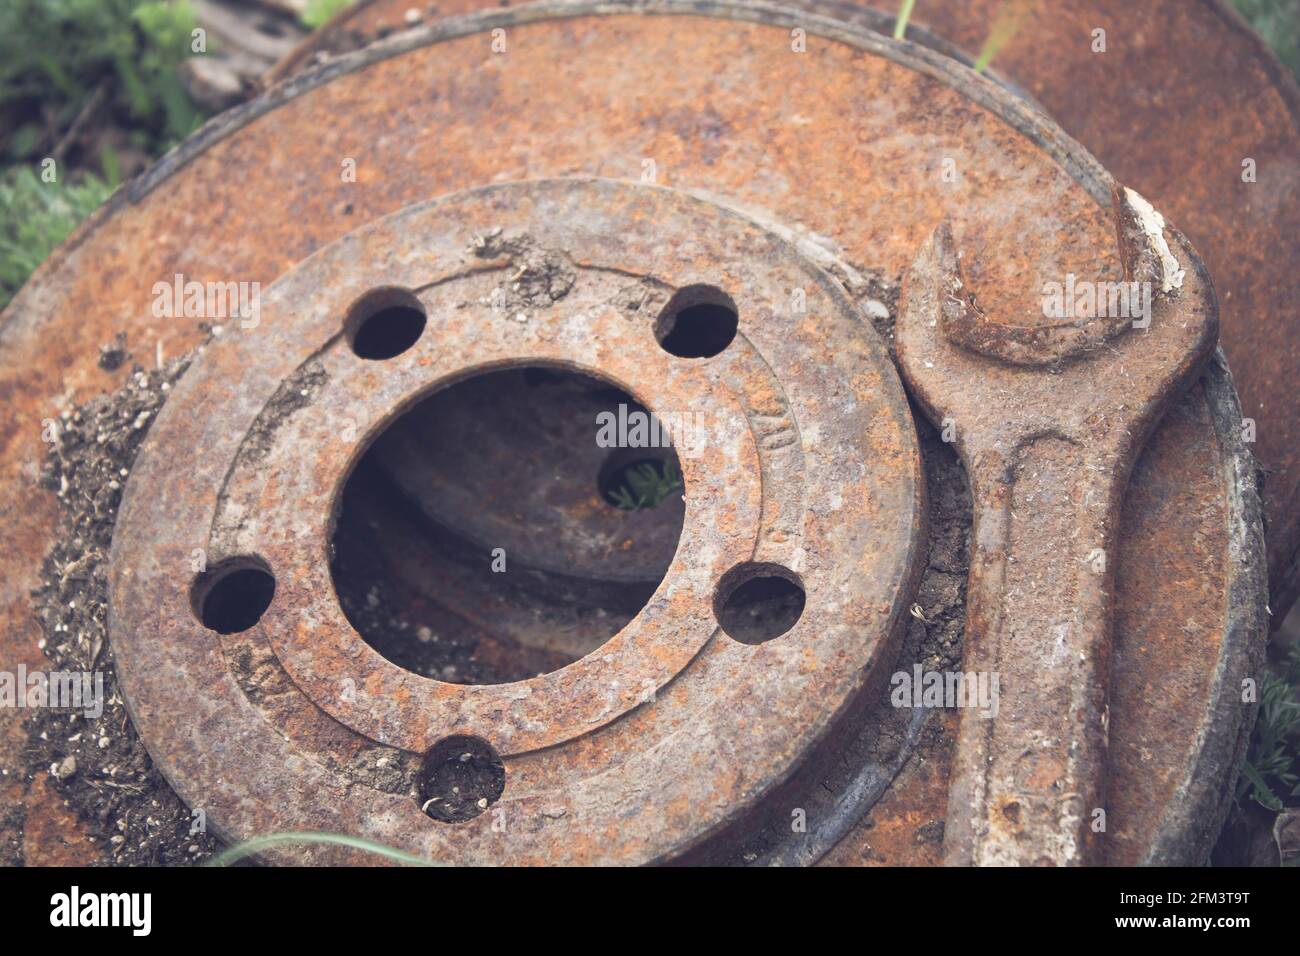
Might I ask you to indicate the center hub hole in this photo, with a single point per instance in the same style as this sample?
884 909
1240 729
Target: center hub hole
489 534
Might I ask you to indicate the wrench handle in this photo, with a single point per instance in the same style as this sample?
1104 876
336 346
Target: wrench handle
1027 780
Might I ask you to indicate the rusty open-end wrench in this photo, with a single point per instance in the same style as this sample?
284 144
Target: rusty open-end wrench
1049 417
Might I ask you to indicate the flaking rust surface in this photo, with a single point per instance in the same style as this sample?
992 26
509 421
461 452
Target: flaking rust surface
280 197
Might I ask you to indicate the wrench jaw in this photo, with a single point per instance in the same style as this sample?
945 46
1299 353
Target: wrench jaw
1049 421
1151 270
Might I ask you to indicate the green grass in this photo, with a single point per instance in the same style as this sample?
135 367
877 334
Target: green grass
320 12
260 844
90 64
904 14
1278 23
1271 776
58 56
1010 18
646 486
35 217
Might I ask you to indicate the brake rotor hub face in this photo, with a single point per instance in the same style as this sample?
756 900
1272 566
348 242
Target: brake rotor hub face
671 728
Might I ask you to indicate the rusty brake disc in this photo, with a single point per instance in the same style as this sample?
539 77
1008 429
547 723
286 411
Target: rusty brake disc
879 121
592 775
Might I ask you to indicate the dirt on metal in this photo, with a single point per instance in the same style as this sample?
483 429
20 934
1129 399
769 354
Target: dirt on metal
96 763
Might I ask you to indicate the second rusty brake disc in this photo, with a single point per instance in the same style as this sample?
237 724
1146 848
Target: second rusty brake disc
672 740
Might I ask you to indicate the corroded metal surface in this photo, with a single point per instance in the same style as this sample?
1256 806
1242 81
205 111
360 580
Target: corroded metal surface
701 725
876 119
1049 427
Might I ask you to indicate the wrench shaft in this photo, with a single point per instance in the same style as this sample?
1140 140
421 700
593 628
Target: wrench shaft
1038 617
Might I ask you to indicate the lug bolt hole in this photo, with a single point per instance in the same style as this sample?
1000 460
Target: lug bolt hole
232 596
384 323
757 602
698 322
460 778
